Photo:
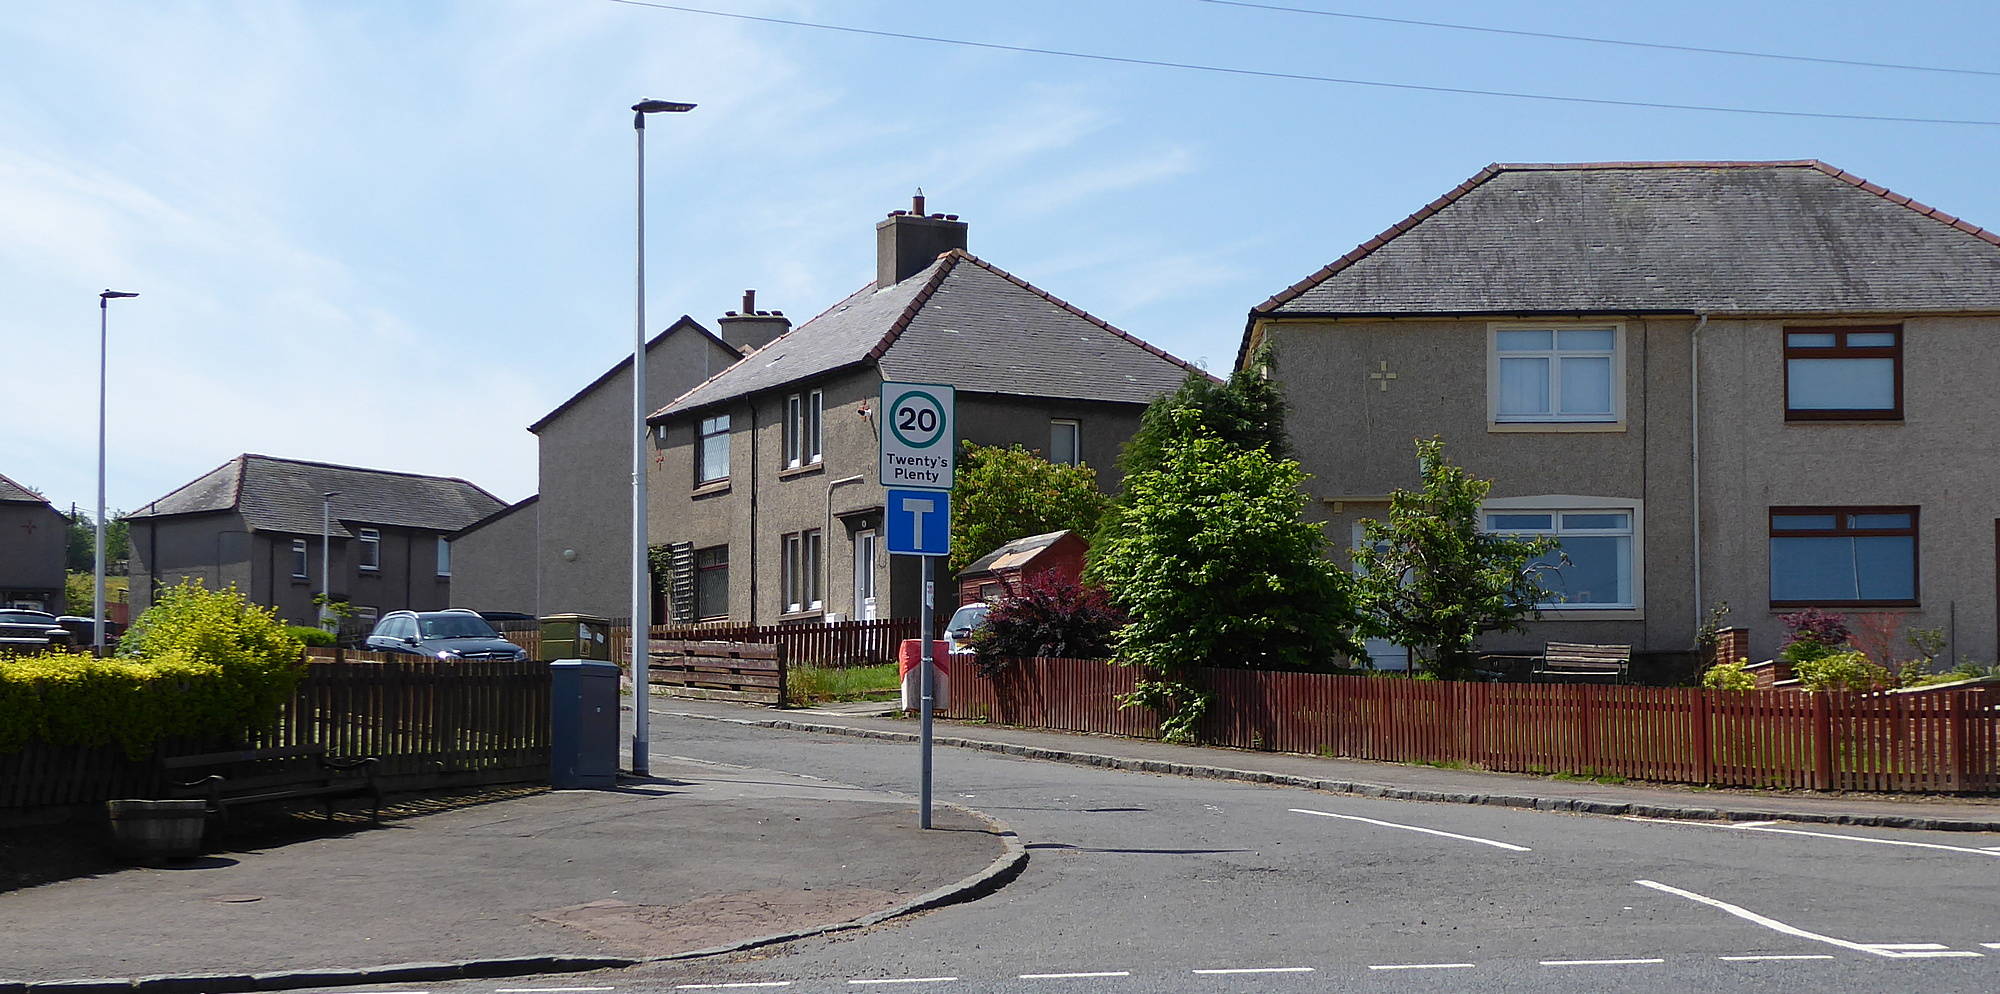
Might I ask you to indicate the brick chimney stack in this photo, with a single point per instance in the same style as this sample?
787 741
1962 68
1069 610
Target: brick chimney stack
907 242
751 328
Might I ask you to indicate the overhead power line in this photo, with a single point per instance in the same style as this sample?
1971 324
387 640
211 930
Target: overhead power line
1604 41
1302 77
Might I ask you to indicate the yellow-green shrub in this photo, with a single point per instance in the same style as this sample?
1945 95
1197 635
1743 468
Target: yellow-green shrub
1729 676
199 663
1847 670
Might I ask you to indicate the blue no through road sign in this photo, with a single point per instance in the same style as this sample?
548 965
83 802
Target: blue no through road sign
919 522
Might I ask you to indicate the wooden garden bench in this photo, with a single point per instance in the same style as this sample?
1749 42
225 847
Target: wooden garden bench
257 776
1578 660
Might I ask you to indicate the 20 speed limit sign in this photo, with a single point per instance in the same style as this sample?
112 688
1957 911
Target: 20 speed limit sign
919 441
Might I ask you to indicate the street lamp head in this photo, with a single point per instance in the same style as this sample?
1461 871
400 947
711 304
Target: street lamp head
662 107
329 495
111 294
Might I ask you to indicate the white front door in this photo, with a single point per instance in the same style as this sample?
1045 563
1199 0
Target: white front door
1386 655
864 575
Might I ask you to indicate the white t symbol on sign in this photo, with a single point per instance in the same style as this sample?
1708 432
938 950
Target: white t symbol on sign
918 507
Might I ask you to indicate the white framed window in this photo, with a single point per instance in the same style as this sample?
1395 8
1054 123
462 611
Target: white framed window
371 549
1600 537
712 450
802 429
299 565
444 556
1556 375
1065 442
799 561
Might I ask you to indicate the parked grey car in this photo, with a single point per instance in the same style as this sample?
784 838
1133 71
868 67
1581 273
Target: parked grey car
445 635
31 631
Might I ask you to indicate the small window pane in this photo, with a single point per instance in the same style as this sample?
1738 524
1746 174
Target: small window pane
1524 387
1878 521
1600 521
1842 384
1797 522
1586 385
1811 339
1594 339
1599 571
1812 569
1886 566
1520 522
1062 442
1871 339
1512 341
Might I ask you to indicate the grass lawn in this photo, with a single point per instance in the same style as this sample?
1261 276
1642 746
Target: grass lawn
810 684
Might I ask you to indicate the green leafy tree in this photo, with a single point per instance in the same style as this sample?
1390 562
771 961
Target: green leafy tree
1211 561
82 553
1247 411
1002 494
1432 580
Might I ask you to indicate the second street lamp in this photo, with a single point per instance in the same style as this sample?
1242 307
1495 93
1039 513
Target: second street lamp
642 573
103 349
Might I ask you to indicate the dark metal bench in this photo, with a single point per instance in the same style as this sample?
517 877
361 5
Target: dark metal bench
256 776
1578 660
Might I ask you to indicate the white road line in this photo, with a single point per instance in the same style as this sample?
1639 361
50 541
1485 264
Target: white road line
1414 828
1421 966
1598 962
1774 956
1908 945
1772 923
548 990
1991 945
1075 976
740 983
906 980
1261 969
1762 826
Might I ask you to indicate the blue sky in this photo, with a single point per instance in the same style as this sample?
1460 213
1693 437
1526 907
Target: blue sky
394 234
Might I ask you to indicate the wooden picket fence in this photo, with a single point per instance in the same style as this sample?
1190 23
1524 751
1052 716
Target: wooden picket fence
433 725
747 672
1947 741
842 643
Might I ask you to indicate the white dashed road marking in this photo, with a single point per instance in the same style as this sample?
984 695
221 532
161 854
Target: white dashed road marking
1422 966
1260 969
1599 962
740 983
548 990
1075 976
1991 945
1774 956
1415 828
906 980
1793 930
1763 826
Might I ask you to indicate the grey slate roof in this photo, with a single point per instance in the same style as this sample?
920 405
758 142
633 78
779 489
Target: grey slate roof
961 321
1709 237
15 493
685 321
283 495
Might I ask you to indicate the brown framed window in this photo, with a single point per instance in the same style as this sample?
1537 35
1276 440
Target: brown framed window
711 585
1852 556
1844 374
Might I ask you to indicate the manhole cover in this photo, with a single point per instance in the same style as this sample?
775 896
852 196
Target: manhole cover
236 898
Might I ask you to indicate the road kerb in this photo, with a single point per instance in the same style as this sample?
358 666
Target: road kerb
1362 789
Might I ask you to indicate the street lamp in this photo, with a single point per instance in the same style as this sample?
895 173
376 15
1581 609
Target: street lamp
326 555
642 585
103 344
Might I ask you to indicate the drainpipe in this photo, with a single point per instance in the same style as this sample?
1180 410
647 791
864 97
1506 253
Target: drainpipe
756 469
826 547
1694 456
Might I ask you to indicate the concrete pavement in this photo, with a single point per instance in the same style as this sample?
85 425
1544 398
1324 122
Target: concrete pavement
1391 780
699 856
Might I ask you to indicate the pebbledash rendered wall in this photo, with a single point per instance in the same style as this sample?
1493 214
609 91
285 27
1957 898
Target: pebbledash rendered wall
1356 439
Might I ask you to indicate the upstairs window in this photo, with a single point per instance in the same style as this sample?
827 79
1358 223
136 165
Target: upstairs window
1556 375
712 450
444 557
299 558
371 549
1065 443
802 429
1844 374
1854 556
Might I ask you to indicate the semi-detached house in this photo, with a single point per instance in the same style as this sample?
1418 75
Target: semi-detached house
764 481
1762 383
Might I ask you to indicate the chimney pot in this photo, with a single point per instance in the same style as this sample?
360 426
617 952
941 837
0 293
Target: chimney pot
729 314
951 217
917 203
749 301
908 242
897 213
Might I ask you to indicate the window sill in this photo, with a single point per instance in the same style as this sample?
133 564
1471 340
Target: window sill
368 569
806 615
1842 419
710 489
1593 614
1552 427
301 579
1788 607
806 470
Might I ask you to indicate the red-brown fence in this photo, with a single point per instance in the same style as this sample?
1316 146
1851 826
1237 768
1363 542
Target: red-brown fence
842 643
1946 741
433 725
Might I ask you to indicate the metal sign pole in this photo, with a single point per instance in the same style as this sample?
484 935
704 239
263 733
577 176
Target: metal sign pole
927 686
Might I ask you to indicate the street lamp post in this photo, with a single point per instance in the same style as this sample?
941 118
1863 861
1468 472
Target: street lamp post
103 346
326 555
642 586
